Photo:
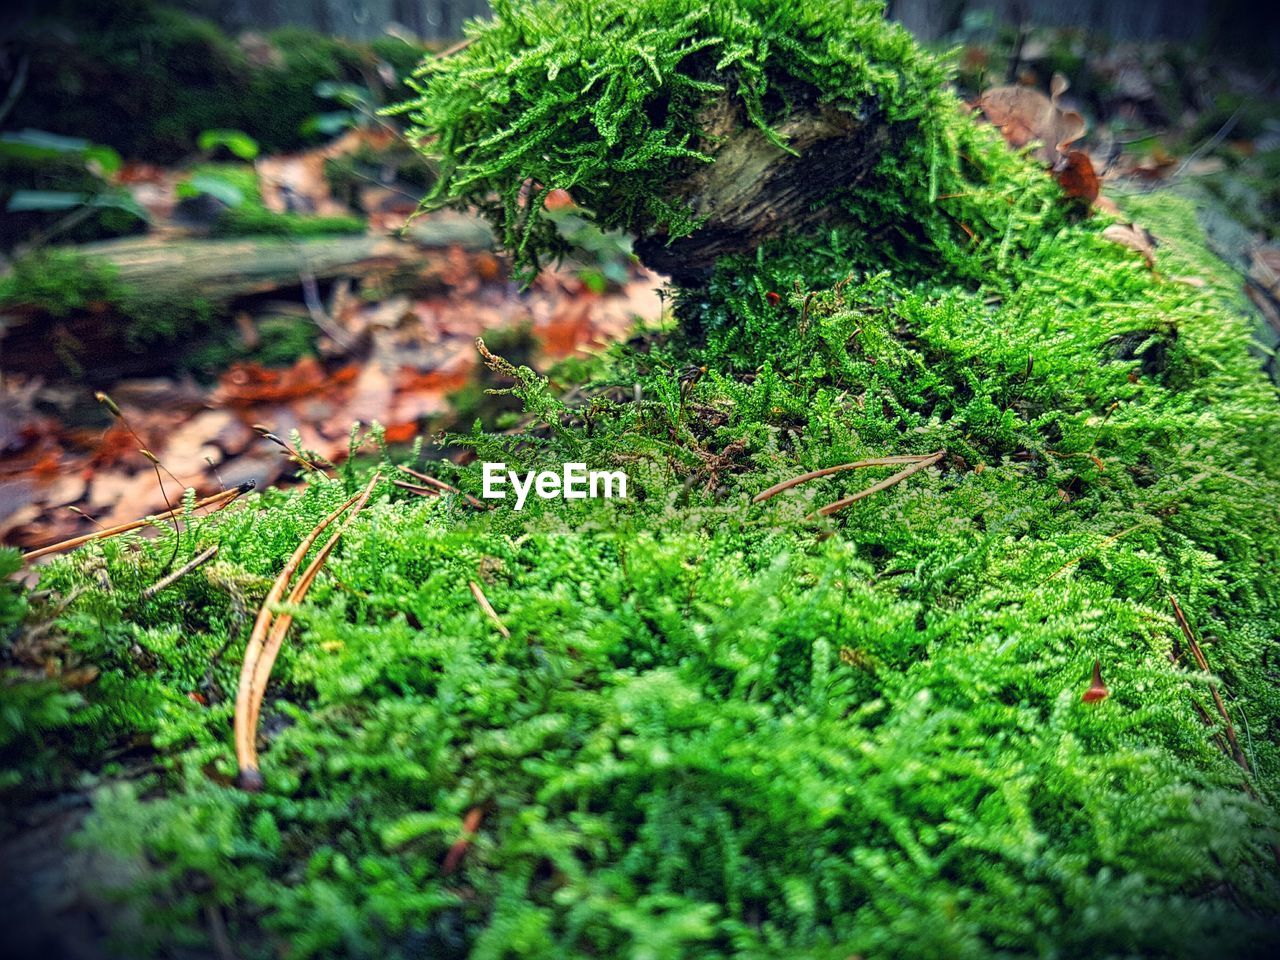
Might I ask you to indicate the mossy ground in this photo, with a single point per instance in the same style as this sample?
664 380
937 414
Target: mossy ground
719 728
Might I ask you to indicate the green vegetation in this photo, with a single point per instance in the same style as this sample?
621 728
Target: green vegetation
719 728
148 79
59 186
237 186
57 283
613 112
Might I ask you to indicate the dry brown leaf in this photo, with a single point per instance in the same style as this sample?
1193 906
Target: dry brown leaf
1136 238
1074 173
1024 114
1106 205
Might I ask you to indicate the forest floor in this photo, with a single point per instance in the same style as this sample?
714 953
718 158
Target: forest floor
390 338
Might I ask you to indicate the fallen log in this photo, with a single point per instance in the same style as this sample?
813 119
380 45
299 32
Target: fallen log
223 270
173 290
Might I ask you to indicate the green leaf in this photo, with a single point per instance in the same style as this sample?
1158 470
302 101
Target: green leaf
236 142
328 124
46 143
47 201
215 187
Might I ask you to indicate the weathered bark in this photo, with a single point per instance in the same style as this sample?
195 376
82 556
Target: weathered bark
755 191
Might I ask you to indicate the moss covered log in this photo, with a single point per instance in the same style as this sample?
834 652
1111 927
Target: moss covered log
708 726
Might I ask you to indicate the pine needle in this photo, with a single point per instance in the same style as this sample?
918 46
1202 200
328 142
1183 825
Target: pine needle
268 635
884 484
441 485
182 571
218 500
777 488
487 607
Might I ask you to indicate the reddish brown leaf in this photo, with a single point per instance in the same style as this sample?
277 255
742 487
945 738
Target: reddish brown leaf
558 200
1074 173
1024 114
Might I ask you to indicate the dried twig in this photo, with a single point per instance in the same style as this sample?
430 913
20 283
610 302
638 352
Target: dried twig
441 485
1228 727
249 693
777 488
884 484
181 572
470 824
218 500
487 607
327 325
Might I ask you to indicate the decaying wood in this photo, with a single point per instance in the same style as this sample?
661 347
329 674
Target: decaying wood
756 191
222 270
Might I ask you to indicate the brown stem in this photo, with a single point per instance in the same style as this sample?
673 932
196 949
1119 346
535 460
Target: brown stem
470 824
1228 727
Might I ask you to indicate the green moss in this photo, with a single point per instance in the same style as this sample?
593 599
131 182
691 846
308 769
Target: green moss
607 102
63 284
718 728
58 282
61 174
250 216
